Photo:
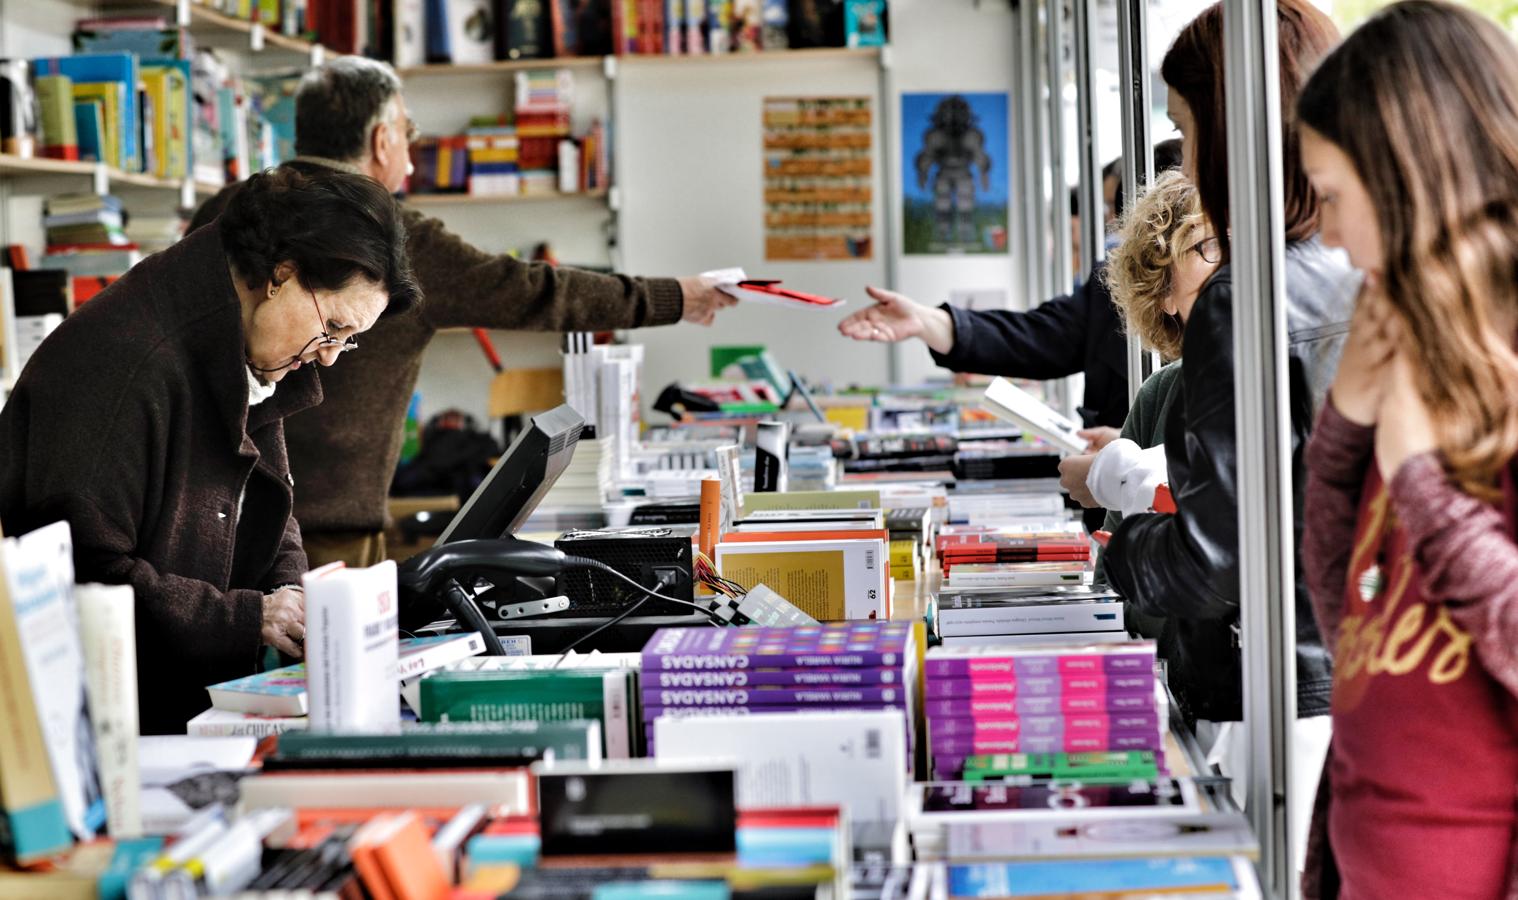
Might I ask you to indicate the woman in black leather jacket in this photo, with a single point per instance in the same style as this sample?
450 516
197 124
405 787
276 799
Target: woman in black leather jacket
1184 567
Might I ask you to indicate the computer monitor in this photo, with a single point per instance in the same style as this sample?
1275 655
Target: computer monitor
520 479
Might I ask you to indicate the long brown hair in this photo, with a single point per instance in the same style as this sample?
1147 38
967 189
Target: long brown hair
1194 68
1423 99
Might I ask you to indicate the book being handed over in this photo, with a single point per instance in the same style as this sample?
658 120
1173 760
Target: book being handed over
1008 401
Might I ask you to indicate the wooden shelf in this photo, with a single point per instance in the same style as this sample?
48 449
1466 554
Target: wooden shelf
592 62
13 166
773 56
42 167
467 200
510 65
206 21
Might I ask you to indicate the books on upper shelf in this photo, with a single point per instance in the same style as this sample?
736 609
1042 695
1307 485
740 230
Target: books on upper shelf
1016 405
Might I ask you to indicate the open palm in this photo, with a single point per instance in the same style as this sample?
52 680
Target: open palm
894 317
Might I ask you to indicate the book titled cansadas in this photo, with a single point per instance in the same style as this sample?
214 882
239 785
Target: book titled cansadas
837 645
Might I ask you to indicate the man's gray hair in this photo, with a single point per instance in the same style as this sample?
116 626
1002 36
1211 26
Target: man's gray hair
339 103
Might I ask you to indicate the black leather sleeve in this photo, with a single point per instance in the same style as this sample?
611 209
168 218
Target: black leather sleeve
1185 565
1048 341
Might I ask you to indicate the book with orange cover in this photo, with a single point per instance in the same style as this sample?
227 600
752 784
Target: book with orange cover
363 849
405 856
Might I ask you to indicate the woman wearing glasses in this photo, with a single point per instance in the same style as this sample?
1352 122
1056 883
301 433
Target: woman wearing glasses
151 421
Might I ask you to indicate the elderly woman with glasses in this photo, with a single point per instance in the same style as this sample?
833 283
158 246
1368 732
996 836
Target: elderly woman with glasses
152 421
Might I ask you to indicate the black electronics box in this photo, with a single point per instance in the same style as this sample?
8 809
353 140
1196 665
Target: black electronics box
643 554
638 806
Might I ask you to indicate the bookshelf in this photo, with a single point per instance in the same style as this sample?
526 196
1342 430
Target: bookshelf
468 200
216 28
510 65
772 57
21 168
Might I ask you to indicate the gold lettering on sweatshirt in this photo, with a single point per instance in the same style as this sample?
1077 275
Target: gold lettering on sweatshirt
1381 636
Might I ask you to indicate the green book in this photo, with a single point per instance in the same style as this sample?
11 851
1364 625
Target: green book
536 695
578 739
1025 768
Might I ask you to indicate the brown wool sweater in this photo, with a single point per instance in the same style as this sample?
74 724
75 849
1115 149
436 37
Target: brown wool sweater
344 453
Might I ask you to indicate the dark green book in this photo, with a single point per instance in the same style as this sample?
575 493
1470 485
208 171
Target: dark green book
536 695
432 745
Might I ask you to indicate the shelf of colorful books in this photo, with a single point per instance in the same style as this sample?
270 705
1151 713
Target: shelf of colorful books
507 65
102 178
212 26
594 62
776 57
471 200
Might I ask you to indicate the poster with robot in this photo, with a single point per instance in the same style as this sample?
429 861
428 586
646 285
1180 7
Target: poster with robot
955 168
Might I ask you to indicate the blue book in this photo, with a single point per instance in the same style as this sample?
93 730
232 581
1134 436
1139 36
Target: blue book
89 122
1091 877
119 67
439 44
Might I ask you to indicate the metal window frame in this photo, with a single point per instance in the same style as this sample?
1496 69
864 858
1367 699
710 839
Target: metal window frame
1261 396
1138 143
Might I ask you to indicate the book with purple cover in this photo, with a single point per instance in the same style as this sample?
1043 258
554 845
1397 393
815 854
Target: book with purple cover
651 713
1036 705
1086 724
779 677
764 696
835 645
954 745
1003 688
1128 658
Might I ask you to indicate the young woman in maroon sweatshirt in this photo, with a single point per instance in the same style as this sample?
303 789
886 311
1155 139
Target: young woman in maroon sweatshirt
1410 135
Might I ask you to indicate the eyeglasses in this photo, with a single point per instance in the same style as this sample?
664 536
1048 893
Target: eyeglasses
1209 249
412 131
324 339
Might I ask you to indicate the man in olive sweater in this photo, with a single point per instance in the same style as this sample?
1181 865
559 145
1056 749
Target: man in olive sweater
350 115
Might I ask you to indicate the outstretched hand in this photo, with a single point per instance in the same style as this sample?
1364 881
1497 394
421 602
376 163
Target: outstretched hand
897 317
702 299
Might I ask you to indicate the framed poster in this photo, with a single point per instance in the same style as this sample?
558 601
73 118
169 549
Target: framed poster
818 195
956 166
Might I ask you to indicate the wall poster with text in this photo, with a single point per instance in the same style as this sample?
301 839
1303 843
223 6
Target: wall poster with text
818 189
955 168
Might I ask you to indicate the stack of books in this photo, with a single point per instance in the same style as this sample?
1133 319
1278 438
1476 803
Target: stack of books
277 701
1030 615
440 165
1040 699
544 99
937 810
757 671
84 220
493 161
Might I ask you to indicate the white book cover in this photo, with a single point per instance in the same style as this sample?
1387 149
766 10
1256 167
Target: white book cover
410 33
510 788
108 630
351 649
857 760
1050 617
222 723
1008 401
1203 834
39 570
471 31
975 576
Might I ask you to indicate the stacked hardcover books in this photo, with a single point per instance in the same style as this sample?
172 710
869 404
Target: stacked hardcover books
754 671
1030 615
1040 699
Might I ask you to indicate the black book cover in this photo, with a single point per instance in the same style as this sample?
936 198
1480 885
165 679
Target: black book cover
524 29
